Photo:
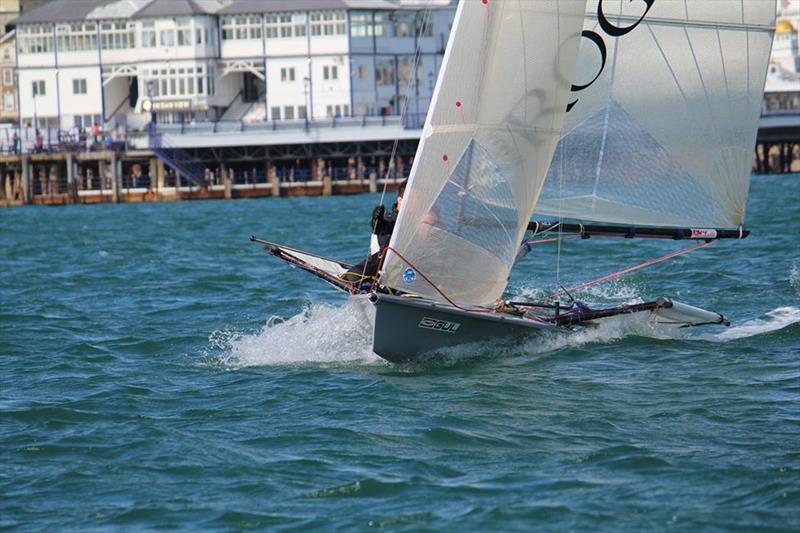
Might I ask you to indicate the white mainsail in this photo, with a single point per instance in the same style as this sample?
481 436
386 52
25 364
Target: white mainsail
664 113
496 115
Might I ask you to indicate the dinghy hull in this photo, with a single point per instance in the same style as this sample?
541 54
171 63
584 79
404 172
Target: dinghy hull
406 329
410 329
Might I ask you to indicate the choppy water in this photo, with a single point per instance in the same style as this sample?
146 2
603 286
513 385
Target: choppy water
144 384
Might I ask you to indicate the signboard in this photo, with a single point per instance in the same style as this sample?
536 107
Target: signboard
172 105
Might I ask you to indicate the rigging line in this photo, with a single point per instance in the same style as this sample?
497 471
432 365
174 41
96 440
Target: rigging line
415 66
633 268
551 239
432 284
403 111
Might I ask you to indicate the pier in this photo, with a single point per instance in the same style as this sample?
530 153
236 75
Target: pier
129 174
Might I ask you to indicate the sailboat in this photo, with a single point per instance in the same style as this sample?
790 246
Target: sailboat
616 119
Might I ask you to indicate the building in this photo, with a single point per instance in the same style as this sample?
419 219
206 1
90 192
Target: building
121 63
782 89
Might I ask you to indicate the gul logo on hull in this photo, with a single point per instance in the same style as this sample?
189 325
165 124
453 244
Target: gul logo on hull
439 325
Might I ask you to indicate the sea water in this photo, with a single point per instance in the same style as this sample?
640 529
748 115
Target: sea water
157 370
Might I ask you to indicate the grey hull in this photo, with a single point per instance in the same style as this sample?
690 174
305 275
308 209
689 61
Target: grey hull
407 328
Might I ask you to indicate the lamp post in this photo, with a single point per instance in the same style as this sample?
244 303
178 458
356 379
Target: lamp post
306 92
147 105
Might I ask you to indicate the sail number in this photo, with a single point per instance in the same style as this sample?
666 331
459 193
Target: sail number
595 38
439 325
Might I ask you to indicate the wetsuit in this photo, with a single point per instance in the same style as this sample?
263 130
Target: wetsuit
382 226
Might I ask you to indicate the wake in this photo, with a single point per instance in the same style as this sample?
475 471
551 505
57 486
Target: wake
331 335
321 333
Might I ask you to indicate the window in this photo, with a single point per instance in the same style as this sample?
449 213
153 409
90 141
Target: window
284 25
363 72
425 27
380 25
403 25
361 24
117 35
301 111
8 76
405 68
8 102
79 86
288 112
148 34
167 37
198 36
6 54
76 37
184 31
336 111
384 72
38 88
175 82
287 74
35 38
330 73
184 37
241 28
276 113
328 23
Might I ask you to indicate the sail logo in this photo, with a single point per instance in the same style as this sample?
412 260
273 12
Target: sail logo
409 276
439 325
612 31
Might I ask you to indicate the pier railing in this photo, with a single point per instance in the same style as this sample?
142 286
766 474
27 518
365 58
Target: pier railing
413 121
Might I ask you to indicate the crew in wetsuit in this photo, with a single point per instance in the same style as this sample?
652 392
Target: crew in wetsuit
382 225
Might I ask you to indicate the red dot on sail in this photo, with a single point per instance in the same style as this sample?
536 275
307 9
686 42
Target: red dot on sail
445 158
458 103
485 2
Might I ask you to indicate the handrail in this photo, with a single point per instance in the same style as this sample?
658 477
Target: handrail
227 107
109 117
259 99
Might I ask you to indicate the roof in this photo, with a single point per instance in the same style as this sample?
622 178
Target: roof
177 8
239 7
784 26
66 10
71 10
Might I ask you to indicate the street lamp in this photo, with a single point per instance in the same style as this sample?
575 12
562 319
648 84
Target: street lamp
307 92
147 105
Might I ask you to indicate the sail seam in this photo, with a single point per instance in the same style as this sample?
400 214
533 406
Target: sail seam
702 80
767 28
724 72
460 128
669 66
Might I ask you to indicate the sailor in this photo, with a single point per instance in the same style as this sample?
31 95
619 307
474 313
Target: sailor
382 225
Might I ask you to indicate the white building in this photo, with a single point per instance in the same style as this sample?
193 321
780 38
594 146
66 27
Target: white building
783 75
82 62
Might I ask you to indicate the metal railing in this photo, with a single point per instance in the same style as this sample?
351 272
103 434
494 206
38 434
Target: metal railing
412 121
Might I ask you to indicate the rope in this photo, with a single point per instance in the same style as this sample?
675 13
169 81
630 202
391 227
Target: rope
417 54
633 268
552 239
432 284
392 160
